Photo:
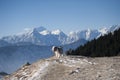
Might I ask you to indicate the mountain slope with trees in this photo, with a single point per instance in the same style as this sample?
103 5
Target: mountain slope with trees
107 45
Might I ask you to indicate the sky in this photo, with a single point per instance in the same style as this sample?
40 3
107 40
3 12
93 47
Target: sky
66 15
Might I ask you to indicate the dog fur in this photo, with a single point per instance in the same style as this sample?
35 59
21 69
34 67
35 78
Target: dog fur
58 51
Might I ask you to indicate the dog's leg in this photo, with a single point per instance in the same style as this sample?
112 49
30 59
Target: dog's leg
57 55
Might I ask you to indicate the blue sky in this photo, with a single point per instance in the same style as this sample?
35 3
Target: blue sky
67 15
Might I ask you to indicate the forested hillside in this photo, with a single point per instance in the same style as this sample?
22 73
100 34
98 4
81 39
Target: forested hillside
108 45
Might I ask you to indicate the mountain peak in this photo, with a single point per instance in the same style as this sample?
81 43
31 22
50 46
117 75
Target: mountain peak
39 29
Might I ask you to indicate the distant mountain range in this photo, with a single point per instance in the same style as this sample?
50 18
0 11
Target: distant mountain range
38 36
89 34
42 36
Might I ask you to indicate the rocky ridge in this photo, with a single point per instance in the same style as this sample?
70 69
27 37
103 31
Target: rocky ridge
70 68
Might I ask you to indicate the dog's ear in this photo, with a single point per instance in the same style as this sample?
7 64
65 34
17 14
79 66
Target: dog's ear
55 48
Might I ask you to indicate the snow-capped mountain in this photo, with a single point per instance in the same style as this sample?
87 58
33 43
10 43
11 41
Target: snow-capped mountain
85 34
91 34
42 36
38 36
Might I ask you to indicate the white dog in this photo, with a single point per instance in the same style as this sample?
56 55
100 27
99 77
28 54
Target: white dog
58 51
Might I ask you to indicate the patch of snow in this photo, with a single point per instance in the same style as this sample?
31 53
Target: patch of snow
45 32
76 70
72 62
56 32
103 31
72 33
88 61
88 34
60 61
39 72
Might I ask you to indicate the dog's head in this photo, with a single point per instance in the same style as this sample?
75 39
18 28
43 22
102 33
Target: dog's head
54 48
57 49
